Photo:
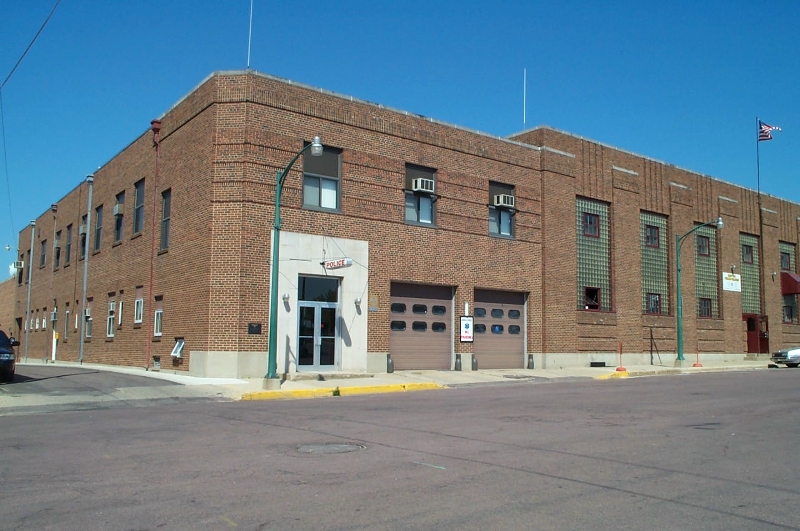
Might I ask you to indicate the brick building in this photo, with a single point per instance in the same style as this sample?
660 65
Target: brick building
560 249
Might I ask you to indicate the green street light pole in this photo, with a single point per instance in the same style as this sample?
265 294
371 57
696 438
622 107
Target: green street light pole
272 362
679 240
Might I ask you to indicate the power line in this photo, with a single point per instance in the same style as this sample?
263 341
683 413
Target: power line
31 44
2 114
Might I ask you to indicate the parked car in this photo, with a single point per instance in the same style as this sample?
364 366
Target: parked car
788 356
8 359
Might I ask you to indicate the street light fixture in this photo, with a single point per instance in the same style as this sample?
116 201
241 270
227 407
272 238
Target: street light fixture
679 239
272 379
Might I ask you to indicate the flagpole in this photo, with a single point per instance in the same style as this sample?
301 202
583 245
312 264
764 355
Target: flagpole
760 235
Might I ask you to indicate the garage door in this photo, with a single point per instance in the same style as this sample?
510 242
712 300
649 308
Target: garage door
499 329
420 335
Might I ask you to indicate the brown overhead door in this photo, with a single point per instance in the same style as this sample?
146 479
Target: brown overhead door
420 335
499 329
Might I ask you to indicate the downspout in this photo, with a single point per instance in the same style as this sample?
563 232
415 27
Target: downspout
155 126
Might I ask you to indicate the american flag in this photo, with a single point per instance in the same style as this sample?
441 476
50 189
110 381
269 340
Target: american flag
765 131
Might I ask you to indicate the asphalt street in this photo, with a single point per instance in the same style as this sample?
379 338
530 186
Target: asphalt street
701 451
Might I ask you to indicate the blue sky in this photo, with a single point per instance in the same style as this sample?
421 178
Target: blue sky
681 82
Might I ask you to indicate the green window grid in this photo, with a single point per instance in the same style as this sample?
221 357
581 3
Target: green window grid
594 256
655 262
751 285
790 300
706 282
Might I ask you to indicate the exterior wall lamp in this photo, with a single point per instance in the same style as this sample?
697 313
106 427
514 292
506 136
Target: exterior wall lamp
272 380
679 240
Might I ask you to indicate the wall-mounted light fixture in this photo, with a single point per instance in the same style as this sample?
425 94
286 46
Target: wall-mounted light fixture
733 268
774 274
285 297
358 301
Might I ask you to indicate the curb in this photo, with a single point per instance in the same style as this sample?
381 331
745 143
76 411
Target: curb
340 391
613 375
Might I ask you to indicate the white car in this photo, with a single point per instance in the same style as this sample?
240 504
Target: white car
788 356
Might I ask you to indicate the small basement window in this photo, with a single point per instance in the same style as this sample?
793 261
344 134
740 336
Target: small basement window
591 298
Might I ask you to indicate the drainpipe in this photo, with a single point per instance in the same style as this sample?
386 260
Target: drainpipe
54 210
30 273
90 180
155 126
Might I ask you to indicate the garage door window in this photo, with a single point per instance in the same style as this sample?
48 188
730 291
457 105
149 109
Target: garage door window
419 309
398 307
398 326
438 310
480 328
497 329
480 312
419 326
438 327
514 329
497 313
513 314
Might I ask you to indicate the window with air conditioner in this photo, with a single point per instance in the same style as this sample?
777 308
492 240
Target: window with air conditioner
501 209
110 318
420 201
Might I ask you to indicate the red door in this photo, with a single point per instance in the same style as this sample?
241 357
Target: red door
753 333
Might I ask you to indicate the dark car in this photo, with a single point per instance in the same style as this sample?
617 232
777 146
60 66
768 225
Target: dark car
8 362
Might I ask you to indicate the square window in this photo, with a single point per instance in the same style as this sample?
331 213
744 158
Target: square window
652 236
591 298
500 222
591 225
419 208
321 178
786 262
703 246
704 309
653 303
747 254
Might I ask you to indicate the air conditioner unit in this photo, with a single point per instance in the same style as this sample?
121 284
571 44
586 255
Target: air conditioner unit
53 316
87 313
504 201
119 209
82 229
19 264
422 185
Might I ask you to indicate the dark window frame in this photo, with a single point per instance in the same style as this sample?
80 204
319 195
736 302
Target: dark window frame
68 246
786 261
327 151
98 228
119 218
591 225
747 254
138 206
166 212
788 316
704 303
648 237
703 245
592 304
648 308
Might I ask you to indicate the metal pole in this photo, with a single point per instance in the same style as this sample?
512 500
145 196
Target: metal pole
30 276
54 210
90 180
678 240
272 345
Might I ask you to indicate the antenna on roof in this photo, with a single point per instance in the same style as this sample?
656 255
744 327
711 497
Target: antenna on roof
524 94
250 34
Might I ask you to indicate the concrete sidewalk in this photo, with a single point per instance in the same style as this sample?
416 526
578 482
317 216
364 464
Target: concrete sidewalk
317 385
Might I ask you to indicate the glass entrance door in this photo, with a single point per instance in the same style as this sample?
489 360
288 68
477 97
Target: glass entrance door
316 339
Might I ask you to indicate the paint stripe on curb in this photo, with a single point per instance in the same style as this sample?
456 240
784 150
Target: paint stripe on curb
343 391
611 375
